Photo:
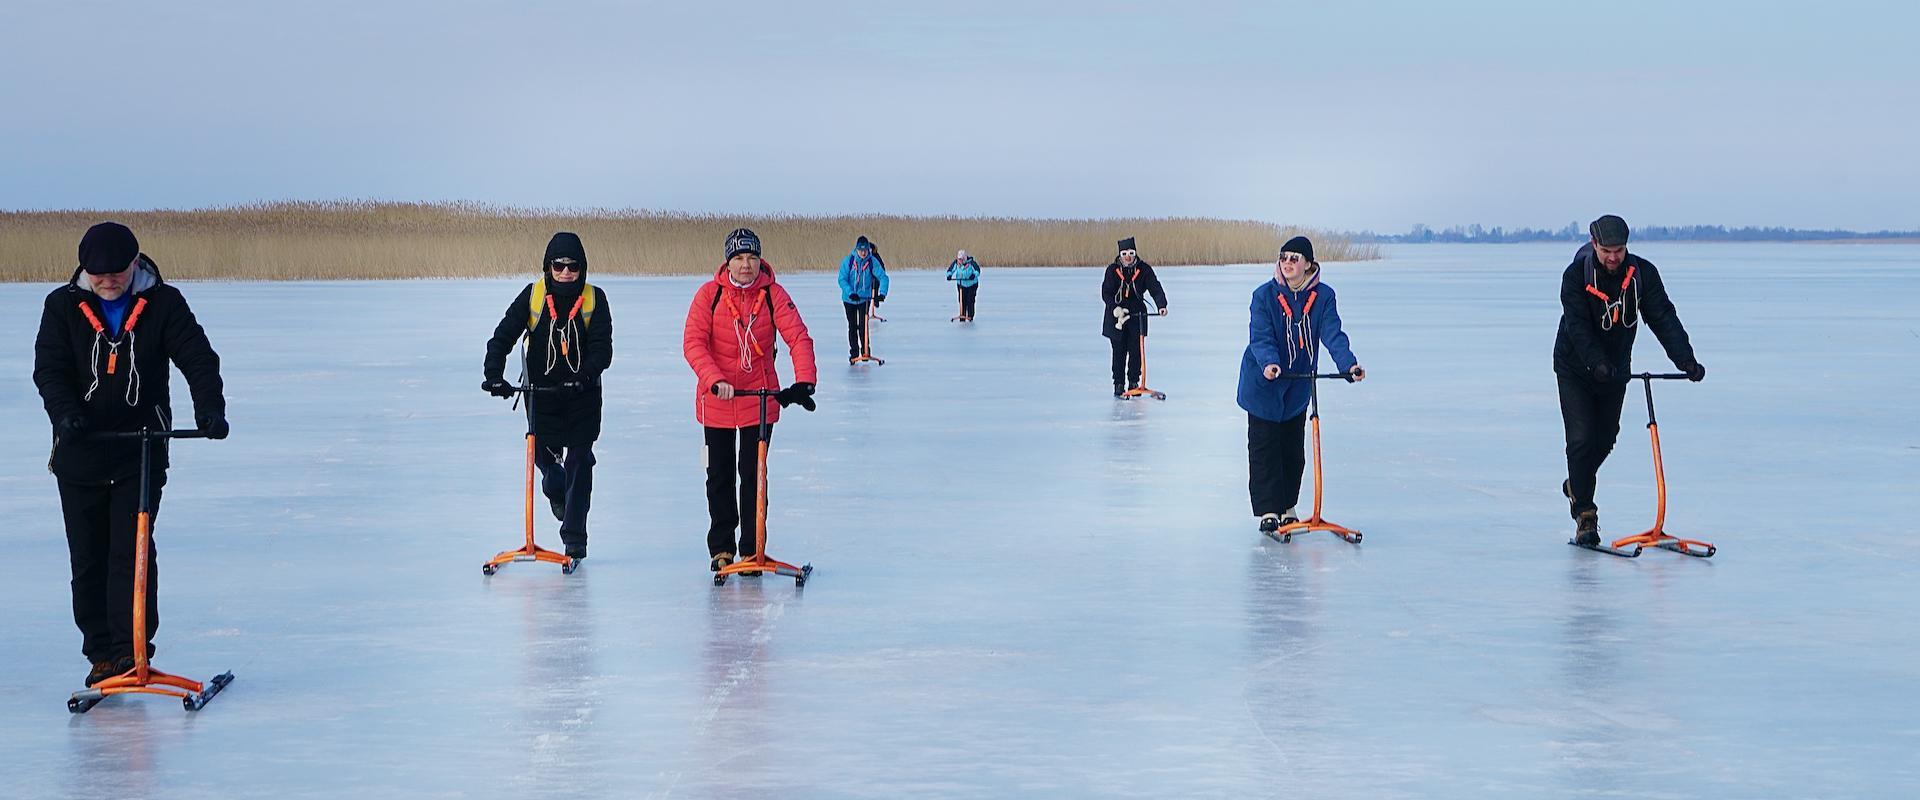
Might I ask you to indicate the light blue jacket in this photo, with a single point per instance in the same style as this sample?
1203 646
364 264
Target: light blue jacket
859 282
967 274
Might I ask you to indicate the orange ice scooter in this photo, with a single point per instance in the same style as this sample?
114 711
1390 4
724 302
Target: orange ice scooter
1315 522
143 678
1656 536
529 551
1142 390
759 562
866 338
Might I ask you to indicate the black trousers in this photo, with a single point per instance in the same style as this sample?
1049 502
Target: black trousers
1591 413
1126 358
1276 458
967 293
566 478
732 452
100 537
856 329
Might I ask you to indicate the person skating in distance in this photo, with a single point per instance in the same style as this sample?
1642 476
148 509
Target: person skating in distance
863 280
965 274
1292 315
100 363
1129 282
569 330
729 343
1604 296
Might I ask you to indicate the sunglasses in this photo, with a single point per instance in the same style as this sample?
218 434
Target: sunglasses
1293 258
566 265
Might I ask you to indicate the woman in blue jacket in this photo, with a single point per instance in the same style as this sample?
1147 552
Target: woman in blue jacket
1292 315
965 273
863 278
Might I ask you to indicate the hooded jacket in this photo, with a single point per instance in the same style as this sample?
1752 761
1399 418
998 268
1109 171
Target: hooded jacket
1128 288
729 336
1287 327
562 347
861 280
119 379
965 273
1590 334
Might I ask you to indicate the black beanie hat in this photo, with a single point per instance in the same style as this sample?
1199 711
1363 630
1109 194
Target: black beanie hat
565 245
1127 244
1609 231
1301 245
107 248
742 240
862 242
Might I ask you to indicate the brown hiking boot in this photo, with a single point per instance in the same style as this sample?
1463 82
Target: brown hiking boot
102 670
1587 534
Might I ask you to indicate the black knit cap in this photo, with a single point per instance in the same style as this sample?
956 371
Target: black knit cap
1609 231
565 245
863 242
1301 245
107 248
742 240
1127 244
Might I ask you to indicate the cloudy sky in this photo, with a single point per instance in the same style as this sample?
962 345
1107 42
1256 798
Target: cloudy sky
1356 115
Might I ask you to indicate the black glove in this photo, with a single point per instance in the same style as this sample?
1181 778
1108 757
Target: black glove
1695 370
497 387
73 426
854 299
574 388
215 427
879 298
801 393
1602 373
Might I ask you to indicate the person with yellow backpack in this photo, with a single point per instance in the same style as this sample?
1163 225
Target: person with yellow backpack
568 330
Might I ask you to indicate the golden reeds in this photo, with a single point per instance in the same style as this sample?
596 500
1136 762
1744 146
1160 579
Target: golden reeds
353 240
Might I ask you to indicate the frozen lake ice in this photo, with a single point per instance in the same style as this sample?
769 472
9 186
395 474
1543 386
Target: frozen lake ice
1022 587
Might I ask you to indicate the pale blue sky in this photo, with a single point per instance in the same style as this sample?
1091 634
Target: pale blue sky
1363 115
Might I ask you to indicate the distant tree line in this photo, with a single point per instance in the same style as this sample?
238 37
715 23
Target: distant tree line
1575 232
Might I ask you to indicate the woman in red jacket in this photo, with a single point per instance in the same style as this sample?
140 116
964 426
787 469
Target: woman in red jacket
729 342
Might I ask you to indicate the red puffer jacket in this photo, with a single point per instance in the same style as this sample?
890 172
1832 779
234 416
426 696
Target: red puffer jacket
729 337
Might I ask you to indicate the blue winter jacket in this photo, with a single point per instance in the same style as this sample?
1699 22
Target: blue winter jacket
860 282
965 275
1292 341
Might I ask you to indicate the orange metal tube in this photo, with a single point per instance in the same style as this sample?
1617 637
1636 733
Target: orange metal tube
530 445
760 501
142 539
1319 477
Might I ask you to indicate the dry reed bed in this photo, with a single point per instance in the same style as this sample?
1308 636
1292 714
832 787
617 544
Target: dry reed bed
355 240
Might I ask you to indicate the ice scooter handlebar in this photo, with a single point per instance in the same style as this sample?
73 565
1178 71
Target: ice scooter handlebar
150 434
1660 376
749 392
1310 376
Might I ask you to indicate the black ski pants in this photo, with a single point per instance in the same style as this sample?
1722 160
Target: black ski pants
1591 413
566 478
1276 458
856 329
101 530
729 453
967 293
1126 358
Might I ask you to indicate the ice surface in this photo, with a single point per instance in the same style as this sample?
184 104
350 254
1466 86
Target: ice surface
1023 587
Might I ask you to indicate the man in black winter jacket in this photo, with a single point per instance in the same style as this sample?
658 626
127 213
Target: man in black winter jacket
1129 281
1604 295
569 332
100 363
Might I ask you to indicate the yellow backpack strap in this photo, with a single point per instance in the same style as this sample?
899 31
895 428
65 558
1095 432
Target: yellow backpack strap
537 302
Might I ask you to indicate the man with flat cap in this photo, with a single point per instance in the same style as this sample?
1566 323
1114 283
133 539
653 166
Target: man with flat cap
100 362
1604 296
